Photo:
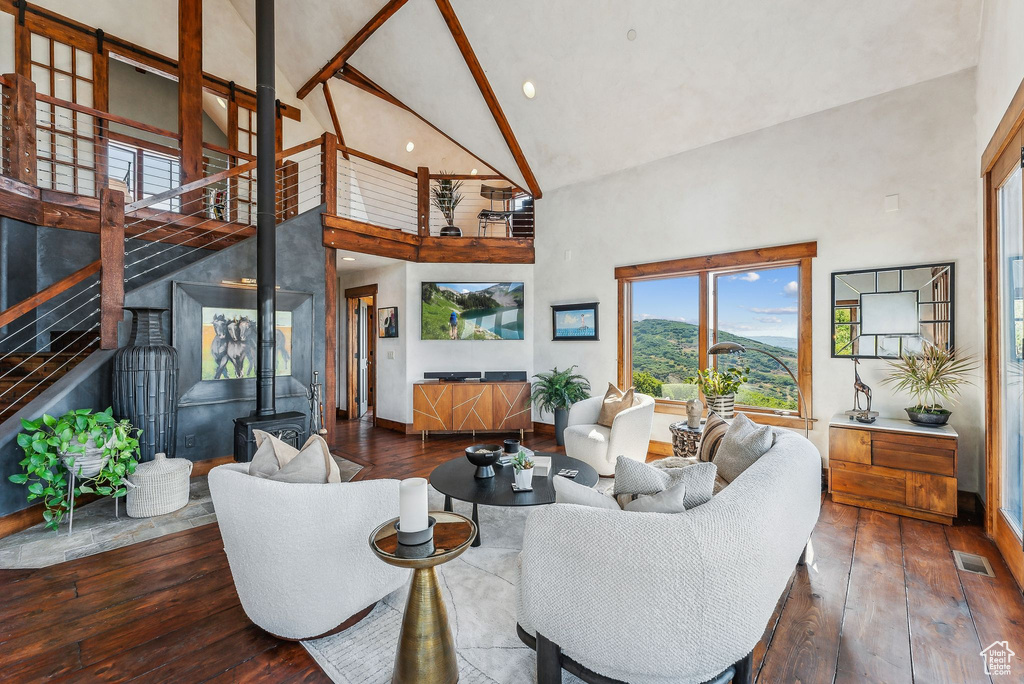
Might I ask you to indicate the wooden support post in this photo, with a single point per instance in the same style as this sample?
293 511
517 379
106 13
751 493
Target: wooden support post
112 258
288 185
423 199
331 341
190 98
22 122
329 173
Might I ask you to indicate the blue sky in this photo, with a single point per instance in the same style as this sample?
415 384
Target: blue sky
753 303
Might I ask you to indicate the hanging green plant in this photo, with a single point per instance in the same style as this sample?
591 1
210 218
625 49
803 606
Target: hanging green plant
100 450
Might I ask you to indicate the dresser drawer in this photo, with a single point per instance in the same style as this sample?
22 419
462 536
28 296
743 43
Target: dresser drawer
872 482
910 452
853 446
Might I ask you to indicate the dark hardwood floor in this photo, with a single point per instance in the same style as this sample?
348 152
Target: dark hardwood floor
882 601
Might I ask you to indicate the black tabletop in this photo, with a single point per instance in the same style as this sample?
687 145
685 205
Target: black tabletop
455 479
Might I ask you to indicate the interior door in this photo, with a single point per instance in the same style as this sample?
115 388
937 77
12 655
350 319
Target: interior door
1008 492
363 358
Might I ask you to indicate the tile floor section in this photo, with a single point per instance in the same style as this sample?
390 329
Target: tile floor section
96 529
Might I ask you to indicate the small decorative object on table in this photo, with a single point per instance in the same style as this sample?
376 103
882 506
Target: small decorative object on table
314 393
933 373
694 411
865 414
159 486
426 649
720 388
523 465
685 439
413 526
541 465
484 456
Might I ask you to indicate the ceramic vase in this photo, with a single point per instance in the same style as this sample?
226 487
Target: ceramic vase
722 404
524 478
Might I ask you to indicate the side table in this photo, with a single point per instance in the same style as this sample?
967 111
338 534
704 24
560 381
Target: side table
426 649
685 440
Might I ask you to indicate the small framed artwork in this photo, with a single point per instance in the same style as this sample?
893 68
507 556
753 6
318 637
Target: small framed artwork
387 321
575 322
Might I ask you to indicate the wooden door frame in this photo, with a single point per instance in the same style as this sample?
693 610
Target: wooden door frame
1005 149
352 297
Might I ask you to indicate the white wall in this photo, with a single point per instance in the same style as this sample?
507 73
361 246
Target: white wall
1000 64
823 177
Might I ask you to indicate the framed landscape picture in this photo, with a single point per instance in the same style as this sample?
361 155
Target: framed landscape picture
575 322
472 311
387 321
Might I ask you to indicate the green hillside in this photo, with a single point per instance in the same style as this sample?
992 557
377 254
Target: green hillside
668 351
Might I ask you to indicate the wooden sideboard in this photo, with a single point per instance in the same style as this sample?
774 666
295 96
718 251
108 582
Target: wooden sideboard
894 466
471 406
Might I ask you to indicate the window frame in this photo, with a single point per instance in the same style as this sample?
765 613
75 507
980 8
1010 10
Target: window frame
706 267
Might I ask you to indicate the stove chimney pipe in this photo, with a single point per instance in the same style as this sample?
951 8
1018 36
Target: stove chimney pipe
266 230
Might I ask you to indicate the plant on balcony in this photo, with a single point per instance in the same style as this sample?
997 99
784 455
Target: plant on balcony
446 196
933 374
98 449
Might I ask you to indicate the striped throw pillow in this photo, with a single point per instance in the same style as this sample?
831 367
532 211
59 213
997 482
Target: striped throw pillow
714 431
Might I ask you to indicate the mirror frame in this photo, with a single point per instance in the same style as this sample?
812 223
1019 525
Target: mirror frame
951 321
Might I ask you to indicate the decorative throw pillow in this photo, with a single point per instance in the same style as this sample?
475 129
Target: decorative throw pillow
567 491
714 430
615 402
743 444
671 500
692 485
636 477
282 462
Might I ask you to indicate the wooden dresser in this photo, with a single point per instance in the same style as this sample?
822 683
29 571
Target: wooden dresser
471 406
894 466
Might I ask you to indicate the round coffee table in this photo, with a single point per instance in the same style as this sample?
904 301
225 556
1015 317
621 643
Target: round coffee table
455 479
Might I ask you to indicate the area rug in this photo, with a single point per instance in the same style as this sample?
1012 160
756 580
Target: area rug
97 529
480 599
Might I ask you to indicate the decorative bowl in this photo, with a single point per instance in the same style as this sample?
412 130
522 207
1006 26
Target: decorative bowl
484 456
928 418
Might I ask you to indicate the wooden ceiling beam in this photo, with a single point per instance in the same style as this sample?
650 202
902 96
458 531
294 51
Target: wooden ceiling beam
349 74
462 41
338 61
334 118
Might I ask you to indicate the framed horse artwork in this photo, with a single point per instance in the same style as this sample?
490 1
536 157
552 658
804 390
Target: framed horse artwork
215 334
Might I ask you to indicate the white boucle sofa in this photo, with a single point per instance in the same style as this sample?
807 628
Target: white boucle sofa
299 553
651 598
598 446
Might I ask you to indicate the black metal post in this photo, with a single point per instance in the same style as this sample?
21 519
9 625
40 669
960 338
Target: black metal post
266 231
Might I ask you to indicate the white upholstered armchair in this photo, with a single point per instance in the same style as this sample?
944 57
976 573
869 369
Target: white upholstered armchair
598 446
299 553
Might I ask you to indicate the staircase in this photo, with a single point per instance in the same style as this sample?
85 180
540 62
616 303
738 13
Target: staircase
25 375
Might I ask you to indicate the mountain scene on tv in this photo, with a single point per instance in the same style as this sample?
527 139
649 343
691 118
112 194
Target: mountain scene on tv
666 352
472 311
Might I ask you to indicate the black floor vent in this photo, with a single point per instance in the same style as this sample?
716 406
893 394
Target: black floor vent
969 562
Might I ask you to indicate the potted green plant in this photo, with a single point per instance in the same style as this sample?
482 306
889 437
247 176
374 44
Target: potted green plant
446 197
523 466
933 374
555 391
720 388
99 450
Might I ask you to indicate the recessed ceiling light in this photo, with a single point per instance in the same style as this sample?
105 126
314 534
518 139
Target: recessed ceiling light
348 258
631 34
410 146
473 172
528 89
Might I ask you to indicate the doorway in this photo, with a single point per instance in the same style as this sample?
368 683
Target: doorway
361 346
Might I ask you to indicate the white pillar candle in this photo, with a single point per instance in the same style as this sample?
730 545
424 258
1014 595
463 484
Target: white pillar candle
412 504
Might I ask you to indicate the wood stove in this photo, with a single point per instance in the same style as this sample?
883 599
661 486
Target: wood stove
288 426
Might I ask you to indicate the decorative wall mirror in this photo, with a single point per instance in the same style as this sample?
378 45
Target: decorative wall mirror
887 312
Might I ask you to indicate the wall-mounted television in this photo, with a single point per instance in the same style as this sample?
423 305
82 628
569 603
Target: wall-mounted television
472 311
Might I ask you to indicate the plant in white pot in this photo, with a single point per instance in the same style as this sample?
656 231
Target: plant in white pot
720 388
523 466
933 374
556 391
99 450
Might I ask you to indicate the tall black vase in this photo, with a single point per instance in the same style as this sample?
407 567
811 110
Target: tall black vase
146 384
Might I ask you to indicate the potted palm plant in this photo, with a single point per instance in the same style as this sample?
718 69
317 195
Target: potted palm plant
720 388
446 197
555 391
933 374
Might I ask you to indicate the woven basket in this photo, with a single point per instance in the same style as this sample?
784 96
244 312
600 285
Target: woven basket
159 486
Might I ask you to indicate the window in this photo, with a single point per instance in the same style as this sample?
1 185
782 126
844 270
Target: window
674 311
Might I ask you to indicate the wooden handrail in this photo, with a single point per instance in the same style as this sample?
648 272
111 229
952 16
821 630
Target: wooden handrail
376 160
216 178
46 294
113 118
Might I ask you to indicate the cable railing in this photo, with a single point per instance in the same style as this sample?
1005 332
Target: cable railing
486 207
376 192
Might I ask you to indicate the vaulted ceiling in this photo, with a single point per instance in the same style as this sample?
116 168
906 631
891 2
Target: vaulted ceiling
694 72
